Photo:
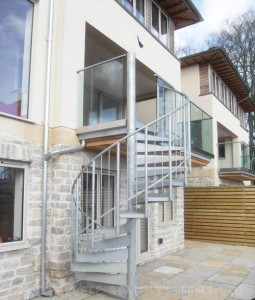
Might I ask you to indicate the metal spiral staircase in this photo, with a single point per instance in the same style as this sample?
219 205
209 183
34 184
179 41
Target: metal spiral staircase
115 188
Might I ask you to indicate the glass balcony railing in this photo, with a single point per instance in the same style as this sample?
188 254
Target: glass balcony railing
102 92
201 130
236 155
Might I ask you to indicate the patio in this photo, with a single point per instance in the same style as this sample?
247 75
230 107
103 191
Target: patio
200 271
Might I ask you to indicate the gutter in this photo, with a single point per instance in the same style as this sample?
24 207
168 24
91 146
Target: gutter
48 292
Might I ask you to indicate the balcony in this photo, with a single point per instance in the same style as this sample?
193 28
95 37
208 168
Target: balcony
235 162
201 136
103 106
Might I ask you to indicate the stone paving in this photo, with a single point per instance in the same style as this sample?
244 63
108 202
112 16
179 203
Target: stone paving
201 271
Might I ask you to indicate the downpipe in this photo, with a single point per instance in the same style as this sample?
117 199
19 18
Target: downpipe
48 291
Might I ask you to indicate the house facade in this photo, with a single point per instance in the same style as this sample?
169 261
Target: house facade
215 86
73 73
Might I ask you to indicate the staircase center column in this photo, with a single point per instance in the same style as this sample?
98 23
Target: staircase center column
131 121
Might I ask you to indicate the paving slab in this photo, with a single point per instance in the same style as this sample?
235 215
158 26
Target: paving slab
244 292
201 270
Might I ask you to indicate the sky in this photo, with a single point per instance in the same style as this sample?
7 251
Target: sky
214 12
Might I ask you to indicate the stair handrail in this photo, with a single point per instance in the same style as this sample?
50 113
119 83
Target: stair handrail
93 221
125 138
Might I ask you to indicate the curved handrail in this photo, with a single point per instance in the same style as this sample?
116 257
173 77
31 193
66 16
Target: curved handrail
144 183
125 138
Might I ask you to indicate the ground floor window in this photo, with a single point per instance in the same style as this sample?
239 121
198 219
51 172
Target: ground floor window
166 211
104 194
11 203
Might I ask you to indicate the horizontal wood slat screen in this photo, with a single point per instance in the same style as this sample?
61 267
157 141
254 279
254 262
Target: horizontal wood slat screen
220 214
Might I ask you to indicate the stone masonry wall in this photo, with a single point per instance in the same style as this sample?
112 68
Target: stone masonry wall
20 269
172 232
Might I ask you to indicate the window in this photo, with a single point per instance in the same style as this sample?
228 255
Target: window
221 149
104 199
159 24
15 47
11 203
136 7
166 211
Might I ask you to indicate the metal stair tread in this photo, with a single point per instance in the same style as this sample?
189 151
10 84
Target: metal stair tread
135 214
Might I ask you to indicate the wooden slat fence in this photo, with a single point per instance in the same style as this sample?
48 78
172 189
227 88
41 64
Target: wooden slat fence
220 214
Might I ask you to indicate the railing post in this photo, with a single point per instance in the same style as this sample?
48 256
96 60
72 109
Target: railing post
118 190
131 99
93 204
185 143
189 133
170 156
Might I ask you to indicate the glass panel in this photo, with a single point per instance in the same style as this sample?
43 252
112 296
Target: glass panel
201 130
140 10
11 204
155 20
102 91
15 45
144 235
163 36
129 5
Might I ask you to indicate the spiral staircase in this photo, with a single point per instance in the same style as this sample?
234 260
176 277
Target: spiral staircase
115 189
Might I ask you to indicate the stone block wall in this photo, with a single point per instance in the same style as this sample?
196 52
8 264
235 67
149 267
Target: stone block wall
172 232
20 269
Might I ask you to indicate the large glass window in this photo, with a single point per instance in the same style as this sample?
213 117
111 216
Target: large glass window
11 204
15 45
159 24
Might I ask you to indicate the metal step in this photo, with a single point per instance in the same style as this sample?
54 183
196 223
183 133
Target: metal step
113 290
117 279
140 185
140 147
103 256
156 171
136 214
113 267
157 159
152 198
112 231
108 243
151 138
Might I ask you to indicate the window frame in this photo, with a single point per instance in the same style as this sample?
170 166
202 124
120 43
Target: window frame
98 182
29 68
159 34
164 208
22 244
134 10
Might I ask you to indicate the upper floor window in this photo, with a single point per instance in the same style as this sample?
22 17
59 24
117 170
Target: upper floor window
159 24
136 7
15 46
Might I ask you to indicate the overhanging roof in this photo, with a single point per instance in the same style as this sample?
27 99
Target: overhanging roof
223 66
182 12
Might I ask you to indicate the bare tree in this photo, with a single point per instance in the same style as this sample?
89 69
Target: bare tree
188 49
238 39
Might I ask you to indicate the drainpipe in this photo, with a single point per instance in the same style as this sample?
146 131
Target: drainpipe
48 292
